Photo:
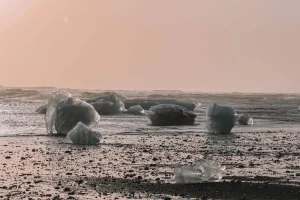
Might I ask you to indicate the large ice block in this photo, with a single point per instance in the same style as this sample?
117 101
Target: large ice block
220 119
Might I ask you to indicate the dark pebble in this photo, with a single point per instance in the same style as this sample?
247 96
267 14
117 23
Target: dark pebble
155 159
67 189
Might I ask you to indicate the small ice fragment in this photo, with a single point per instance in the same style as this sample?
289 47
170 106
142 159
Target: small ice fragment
244 119
198 104
220 119
203 170
54 100
81 134
136 110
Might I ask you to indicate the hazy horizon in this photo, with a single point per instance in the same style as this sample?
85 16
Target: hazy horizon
205 46
109 89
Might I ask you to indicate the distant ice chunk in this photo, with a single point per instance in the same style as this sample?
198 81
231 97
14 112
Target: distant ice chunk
92 95
221 119
203 170
136 110
72 111
81 134
111 105
171 115
42 109
148 103
54 100
244 119
103 107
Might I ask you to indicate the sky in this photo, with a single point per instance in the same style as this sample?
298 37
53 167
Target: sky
191 45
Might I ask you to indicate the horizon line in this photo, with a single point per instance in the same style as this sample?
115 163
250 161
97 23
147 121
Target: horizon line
152 90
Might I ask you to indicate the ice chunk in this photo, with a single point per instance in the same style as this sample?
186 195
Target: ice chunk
106 109
91 95
221 119
81 134
201 171
244 119
103 107
54 100
171 115
72 111
136 110
42 109
148 103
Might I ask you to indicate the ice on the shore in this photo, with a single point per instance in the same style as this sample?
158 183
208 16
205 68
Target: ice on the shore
73 110
54 100
81 134
148 103
244 119
171 115
136 110
93 96
102 106
203 170
42 109
111 105
220 119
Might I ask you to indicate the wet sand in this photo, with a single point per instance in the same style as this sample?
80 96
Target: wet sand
140 165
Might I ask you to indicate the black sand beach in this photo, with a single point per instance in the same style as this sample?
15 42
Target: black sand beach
136 160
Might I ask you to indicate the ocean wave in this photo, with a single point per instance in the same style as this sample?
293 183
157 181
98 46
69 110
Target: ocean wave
287 98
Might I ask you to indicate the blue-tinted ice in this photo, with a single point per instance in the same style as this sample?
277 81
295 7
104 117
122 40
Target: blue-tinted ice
54 100
64 112
201 171
81 134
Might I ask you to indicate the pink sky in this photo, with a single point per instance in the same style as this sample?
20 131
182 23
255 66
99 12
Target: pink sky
199 45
